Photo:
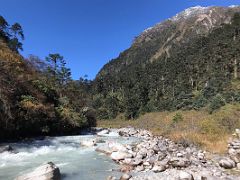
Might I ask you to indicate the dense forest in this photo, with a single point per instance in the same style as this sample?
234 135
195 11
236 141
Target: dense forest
202 72
38 97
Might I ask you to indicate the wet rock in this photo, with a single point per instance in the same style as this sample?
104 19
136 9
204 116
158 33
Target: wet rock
100 141
111 178
119 155
89 143
185 176
125 177
227 163
104 149
47 171
5 148
103 132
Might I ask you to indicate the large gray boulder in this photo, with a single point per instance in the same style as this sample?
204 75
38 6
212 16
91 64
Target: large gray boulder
47 171
227 163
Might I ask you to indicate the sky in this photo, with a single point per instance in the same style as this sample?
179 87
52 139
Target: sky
89 33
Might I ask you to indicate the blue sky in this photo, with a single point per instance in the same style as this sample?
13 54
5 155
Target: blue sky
89 33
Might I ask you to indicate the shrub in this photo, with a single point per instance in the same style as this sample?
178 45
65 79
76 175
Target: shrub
72 117
217 102
177 118
102 113
27 98
199 101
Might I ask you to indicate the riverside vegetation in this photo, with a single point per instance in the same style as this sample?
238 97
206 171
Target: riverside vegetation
38 97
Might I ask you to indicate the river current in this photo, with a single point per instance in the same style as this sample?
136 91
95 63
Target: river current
74 161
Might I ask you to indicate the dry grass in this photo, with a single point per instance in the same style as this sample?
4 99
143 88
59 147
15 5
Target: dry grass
210 131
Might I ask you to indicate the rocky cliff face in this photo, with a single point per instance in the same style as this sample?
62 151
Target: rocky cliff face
163 38
192 22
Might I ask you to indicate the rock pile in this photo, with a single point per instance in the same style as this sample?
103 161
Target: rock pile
160 158
233 152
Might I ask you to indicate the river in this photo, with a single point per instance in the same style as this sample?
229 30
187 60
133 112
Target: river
75 161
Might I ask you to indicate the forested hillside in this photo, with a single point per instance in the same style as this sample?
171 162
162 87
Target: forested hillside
190 61
38 97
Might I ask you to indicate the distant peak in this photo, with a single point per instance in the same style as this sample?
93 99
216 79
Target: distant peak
234 6
190 12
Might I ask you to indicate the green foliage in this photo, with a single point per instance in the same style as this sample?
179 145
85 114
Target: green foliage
177 118
217 102
59 73
68 114
12 35
28 98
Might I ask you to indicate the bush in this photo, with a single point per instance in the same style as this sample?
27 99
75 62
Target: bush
102 113
217 102
72 117
199 102
177 118
27 98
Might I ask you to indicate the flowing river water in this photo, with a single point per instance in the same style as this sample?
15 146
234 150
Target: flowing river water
74 161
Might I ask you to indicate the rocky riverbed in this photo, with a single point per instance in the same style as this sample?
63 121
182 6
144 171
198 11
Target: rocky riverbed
129 153
156 158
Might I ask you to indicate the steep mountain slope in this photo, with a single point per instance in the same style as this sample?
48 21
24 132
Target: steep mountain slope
188 61
31 105
158 41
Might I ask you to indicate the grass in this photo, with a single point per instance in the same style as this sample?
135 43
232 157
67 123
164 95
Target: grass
209 131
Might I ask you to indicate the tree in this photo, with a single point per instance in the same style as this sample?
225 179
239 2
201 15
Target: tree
17 31
11 35
3 28
60 74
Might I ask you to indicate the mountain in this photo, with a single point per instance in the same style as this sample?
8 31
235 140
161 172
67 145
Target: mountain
188 61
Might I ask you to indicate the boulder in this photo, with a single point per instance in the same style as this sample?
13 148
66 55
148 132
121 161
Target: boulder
179 162
185 176
89 143
119 155
125 177
227 163
158 168
103 132
234 154
114 146
5 148
139 168
47 171
104 149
